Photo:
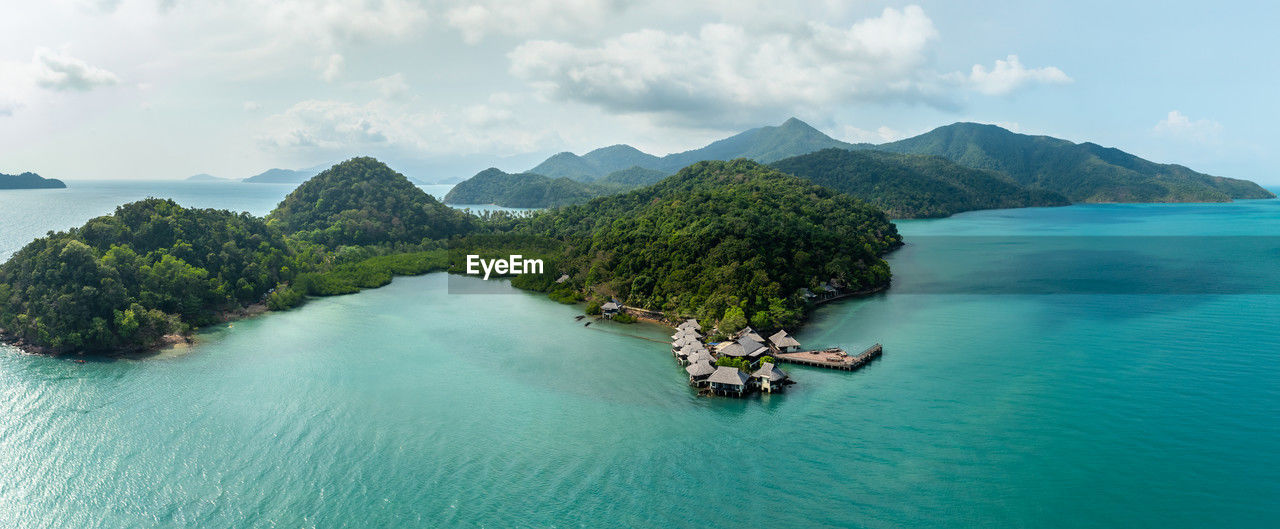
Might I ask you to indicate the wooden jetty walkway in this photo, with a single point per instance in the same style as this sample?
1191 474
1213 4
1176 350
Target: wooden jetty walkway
831 358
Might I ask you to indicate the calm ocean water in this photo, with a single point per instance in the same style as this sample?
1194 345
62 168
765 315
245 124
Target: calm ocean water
409 407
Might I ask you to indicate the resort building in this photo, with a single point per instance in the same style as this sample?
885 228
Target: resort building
684 341
731 350
769 378
748 332
701 356
751 348
610 309
784 343
699 372
690 324
687 351
728 381
686 332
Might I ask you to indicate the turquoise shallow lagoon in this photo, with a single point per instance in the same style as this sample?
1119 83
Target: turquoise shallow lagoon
407 406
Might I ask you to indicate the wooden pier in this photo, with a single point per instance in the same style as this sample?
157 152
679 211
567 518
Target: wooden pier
831 358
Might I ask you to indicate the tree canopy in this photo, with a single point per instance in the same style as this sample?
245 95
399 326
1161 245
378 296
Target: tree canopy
362 201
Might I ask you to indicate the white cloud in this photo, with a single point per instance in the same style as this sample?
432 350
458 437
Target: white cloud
59 71
1177 125
392 87
1009 75
725 69
528 17
333 22
7 108
330 67
252 106
390 125
882 134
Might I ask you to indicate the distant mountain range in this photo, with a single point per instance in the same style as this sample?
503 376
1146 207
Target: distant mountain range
29 180
1082 172
206 177
762 144
283 176
958 167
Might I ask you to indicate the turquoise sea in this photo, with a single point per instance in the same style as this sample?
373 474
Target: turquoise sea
407 406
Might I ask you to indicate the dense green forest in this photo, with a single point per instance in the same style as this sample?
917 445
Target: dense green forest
914 186
720 240
126 280
123 282
1084 172
530 190
522 190
362 201
632 177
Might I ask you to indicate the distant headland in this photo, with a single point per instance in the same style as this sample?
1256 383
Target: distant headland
29 180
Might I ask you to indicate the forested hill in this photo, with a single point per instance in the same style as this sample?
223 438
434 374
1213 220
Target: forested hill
529 190
29 181
522 190
722 240
154 270
1083 172
124 281
362 201
914 186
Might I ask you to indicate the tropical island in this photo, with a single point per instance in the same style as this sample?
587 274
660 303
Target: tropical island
746 247
955 168
696 244
29 180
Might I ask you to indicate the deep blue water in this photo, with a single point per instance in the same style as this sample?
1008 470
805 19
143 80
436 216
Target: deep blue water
408 406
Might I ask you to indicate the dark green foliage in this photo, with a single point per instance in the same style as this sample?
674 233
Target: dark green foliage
29 181
593 309
632 177
623 317
566 295
741 364
912 186
531 190
362 201
1083 172
125 280
720 236
369 273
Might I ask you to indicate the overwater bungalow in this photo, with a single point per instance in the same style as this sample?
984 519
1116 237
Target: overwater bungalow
728 381
732 350
769 378
701 356
690 324
699 372
686 332
784 343
682 342
751 348
685 352
610 309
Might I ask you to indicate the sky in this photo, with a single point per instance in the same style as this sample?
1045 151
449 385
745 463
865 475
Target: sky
163 89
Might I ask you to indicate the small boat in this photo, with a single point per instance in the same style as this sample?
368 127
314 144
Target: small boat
580 316
586 324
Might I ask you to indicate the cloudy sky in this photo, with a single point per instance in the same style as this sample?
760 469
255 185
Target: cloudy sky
168 88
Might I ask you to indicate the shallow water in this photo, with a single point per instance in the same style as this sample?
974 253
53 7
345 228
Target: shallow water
410 406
